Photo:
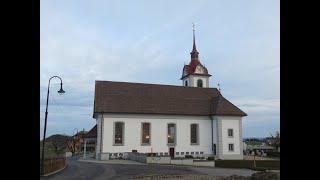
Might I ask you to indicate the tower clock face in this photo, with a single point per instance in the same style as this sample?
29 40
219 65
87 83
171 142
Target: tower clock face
199 69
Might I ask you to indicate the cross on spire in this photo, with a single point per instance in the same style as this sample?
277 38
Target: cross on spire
194 53
193 27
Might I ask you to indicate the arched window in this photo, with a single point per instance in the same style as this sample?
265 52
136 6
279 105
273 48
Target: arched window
186 83
118 133
199 83
194 134
171 134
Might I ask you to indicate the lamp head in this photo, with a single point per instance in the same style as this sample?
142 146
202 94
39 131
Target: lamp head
61 91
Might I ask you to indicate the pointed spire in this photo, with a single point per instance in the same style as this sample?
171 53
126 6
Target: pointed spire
194 53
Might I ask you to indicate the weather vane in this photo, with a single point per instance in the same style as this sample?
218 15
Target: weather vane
219 87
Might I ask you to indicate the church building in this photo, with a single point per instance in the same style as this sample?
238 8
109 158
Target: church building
193 119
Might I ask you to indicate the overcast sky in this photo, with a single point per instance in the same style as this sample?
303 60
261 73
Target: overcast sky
149 42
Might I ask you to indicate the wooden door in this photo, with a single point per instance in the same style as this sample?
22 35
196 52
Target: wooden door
171 151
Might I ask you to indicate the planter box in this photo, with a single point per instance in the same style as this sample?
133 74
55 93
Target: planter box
137 157
104 156
188 162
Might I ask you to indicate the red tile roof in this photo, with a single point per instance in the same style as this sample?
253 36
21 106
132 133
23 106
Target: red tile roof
92 133
190 69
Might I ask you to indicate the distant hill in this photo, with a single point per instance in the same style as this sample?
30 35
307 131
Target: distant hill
55 144
254 139
58 139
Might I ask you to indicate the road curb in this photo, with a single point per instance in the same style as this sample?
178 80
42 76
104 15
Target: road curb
110 162
54 172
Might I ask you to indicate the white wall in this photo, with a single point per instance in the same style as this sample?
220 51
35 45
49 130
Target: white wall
229 122
132 134
184 80
192 81
214 133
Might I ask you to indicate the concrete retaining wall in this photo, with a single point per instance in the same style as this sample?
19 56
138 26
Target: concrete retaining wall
182 161
158 160
203 163
168 160
137 157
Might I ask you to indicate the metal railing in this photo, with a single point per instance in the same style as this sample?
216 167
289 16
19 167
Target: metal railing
53 164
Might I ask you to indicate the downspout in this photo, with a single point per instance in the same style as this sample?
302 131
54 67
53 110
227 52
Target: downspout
212 134
101 128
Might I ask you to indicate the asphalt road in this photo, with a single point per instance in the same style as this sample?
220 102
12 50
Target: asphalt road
77 170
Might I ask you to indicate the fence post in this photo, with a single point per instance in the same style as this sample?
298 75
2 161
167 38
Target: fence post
84 149
51 163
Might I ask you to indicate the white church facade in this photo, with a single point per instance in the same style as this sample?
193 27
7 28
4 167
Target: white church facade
192 119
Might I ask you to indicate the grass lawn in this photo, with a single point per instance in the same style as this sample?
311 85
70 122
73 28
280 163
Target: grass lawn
249 164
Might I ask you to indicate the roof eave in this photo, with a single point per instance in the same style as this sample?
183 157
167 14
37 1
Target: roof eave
208 75
227 114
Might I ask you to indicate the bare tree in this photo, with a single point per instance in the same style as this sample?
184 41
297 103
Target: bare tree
275 140
74 144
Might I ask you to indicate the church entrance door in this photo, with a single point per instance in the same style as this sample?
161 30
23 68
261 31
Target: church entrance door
171 152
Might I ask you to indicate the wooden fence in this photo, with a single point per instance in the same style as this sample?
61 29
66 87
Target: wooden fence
53 164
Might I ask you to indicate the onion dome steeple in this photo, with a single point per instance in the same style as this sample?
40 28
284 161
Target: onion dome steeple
195 74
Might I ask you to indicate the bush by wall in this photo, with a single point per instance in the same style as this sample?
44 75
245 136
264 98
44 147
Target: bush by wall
273 154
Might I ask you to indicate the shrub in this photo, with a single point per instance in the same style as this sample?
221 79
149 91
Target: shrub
151 154
210 159
178 158
188 156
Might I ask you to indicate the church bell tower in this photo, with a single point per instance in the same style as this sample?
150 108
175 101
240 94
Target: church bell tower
195 74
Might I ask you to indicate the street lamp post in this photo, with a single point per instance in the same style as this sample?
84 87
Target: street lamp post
61 91
74 141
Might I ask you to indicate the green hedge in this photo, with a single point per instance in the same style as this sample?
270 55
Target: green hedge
260 164
273 154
